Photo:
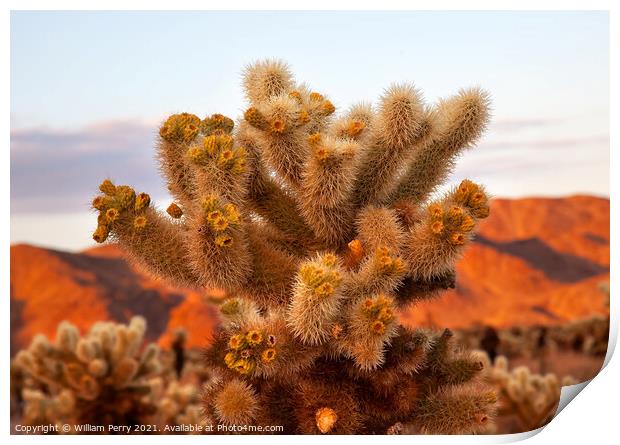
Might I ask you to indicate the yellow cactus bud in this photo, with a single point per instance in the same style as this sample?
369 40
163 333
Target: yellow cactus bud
377 327
295 95
481 212
231 213
386 315
224 158
214 215
467 224
322 153
224 240
174 210
316 96
435 210
126 196
236 341
140 222
437 227
326 418
229 359
328 107
143 200
230 307
111 215
239 166
107 187
217 123
355 128
303 117
254 338
244 366
278 126
180 128
330 259
457 239
195 154
368 304
99 203
220 223
455 213
315 139
255 118
268 355
325 290
101 234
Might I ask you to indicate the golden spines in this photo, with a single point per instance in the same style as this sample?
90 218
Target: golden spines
454 125
180 128
265 79
217 150
217 123
316 299
221 219
382 271
371 323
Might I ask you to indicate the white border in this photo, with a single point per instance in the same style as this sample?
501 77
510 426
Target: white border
592 418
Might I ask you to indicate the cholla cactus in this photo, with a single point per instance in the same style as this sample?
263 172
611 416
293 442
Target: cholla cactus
179 409
588 335
44 409
101 378
320 227
532 397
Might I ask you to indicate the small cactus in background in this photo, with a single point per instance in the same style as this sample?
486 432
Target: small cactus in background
321 228
178 406
532 397
100 378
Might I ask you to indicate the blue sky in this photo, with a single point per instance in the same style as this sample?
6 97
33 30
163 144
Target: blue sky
88 89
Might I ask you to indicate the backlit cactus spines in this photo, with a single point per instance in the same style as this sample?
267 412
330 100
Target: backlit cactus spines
317 226
456 124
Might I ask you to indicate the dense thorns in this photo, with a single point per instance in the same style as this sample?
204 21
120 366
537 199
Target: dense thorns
318 228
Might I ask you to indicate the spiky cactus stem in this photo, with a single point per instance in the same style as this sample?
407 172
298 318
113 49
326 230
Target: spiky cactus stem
321 229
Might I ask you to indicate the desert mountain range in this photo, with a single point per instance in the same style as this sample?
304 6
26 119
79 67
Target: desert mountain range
534 261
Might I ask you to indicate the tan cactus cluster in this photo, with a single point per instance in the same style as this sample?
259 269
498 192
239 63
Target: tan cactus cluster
100 378
319 227
588 335
532 397
179 409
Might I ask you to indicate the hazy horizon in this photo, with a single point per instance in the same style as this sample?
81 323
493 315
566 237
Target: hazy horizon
86 102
